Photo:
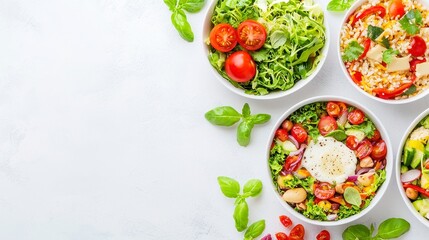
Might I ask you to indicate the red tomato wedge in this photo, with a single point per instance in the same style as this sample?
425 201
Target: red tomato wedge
364 149
356 117
285 220
251 35
323 235
417 47
299 133
333 109
223 37
324 191
297 233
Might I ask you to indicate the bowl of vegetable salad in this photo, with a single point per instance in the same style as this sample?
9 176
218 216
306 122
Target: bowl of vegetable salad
329 160
383 49
265 49
412 171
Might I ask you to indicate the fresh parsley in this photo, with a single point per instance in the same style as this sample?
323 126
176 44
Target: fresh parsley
410 22
388 229
352 51
389 54
374 32
339 5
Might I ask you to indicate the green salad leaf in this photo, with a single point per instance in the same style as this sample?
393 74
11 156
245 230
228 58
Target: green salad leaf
357 232
352 51
339 5
308 116
192 6
229 187
180 22
411 21
389 54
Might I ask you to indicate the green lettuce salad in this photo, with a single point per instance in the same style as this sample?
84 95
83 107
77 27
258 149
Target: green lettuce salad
295 38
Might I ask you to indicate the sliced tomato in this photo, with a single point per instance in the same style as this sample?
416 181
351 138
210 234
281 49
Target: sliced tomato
297 232
223 37
282 236
285 220
379 150
364 149
333 109
327 124
324 191
343 106
282 134
376 136
292 163
379 10
356 117
299 133
389 94
417 47
352 142
356 77
414 62
240 66
251 35
396 9
366 47
323 235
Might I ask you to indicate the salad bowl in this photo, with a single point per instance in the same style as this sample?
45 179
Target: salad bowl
285 59
329 160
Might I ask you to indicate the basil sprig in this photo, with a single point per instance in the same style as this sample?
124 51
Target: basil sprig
228 116
388 229
252 188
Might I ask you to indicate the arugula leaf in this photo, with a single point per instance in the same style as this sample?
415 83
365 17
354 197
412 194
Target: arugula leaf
339 5
352 51
389 54
374 32
385 42
410 22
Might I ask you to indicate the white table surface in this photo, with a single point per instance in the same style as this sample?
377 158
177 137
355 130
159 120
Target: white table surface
102 129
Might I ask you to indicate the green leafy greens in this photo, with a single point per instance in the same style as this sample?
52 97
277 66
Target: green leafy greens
308 116
352 51
389 54
388 229
410 22
339 5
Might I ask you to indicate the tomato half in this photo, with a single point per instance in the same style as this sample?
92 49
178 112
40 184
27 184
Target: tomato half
376 136
379 150
323 235
251 35
356 117
223 37
285 220
299 133
327 124
414 62
282 236
396 9
417 47
240 66
333 109
324 191
292 163
364 149
352 142
281 134
297 232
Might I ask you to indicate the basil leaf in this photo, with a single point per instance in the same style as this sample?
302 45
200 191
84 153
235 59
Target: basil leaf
352 196
389 54
393 228
410 22
352 51
339 135
171 4
356 232
246 110
244 131
223 116
180 22
385 42
412 89
241 216
255 229
229 187
252 188
260 118
374 32
192 6
339 5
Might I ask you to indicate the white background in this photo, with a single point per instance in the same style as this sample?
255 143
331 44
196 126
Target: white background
102 129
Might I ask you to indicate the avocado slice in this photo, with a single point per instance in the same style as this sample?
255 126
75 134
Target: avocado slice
408 155
417 159
422 206
360 135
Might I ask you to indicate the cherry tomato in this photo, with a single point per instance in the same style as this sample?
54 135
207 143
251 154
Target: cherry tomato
299 133
292 163
414 62
352 142
376 136
364 149
240 66
417 46
282 236
324 191
396 9
287 124
333 109
223 37
327 124
323 235
343 106
251 35
379 150
356 117
297 232
285 220
281 134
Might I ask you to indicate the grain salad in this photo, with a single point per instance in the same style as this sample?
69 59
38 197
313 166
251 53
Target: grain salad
383 45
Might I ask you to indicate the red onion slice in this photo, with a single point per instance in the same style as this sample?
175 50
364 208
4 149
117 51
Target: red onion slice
410 175
362 171
294 141
267 237
300 150
352 178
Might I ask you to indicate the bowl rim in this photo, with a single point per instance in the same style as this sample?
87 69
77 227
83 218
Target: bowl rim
349 12
389 158
272 95
404 138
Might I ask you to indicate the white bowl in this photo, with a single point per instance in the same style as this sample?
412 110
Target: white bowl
354 7
207 26
389 160
398 168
